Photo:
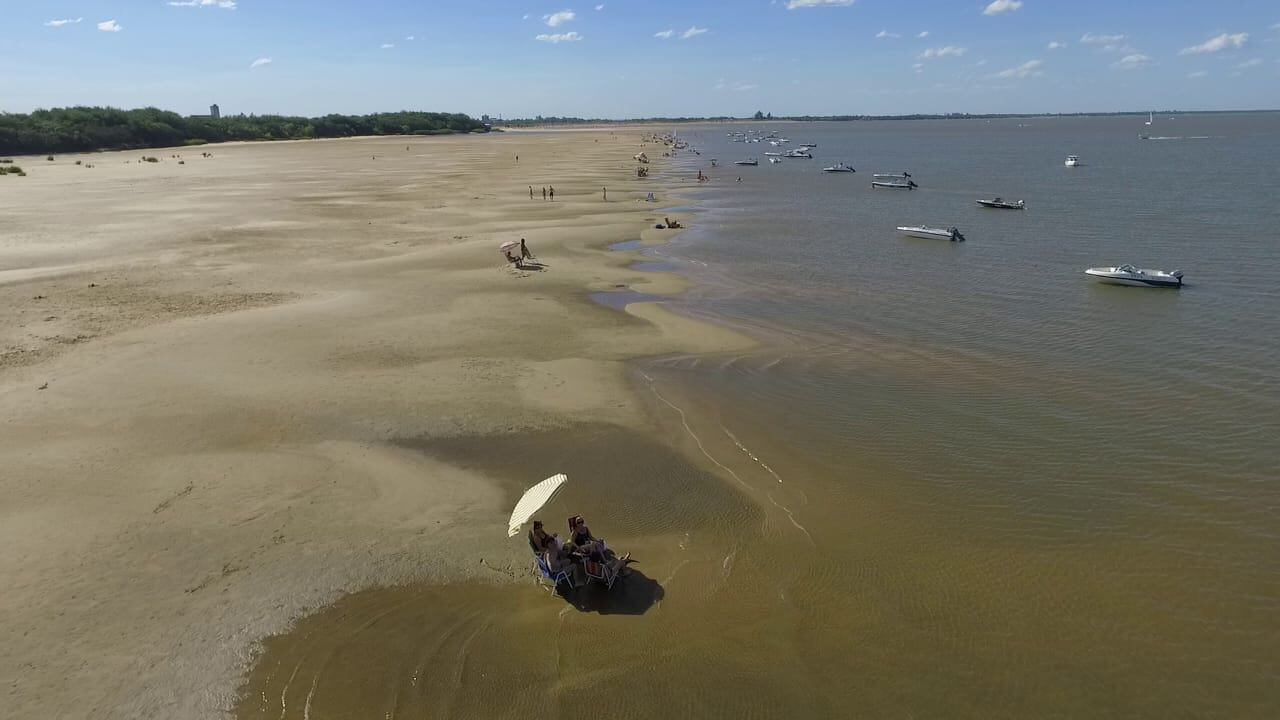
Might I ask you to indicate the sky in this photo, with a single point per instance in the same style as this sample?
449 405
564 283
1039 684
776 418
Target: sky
641 58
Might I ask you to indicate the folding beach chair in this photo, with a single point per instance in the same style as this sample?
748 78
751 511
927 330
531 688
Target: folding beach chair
600 572
554 578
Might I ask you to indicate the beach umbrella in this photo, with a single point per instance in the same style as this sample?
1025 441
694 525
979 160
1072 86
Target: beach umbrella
510 248
533 500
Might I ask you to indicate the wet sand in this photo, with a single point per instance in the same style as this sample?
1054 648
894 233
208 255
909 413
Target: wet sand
228 390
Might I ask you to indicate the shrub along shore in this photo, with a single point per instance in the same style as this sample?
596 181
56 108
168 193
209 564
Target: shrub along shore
85 129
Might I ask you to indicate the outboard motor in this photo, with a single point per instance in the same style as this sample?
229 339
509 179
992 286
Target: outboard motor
1177 274
912 184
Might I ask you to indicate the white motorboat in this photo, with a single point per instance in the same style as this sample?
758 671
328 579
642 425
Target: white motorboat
773 154
1150 117
1072 161
902 185
930 233
892 176
775 160
1002 204
808 145
1136 276
838 168
752 161
797 153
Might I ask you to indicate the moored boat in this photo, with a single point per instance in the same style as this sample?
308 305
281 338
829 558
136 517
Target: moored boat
1136 277
1072 161
892 176
838 168
908 185
1002 204
752 161
932 233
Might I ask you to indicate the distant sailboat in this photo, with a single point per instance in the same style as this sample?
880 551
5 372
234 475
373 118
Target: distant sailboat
1150 117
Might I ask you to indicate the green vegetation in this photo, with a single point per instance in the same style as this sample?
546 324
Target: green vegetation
82 129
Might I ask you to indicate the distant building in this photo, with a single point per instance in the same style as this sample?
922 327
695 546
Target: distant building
214 113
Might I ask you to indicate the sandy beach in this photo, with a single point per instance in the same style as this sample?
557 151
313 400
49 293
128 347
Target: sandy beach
223 384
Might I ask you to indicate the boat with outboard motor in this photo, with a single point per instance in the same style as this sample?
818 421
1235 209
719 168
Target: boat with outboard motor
775 160
1136 277
798 153
892 176
1002 204
1072 161
908 185
752 161
838 168
930 233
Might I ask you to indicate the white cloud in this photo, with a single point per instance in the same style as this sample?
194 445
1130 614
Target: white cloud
1198 74
558 19
922 34
224 4
60 23
410 38
999 7
1027 69
1217 44
665 34
559 37
259 63
525 16
887 34
599 7
692 32
918 67
1249 63
110 26
943 52
1055 45
1091 39
1132 62
387 46
794 4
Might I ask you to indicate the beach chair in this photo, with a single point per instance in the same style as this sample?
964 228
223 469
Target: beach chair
545 575
600 572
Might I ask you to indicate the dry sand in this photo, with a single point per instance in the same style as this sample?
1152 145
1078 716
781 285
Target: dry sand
212 375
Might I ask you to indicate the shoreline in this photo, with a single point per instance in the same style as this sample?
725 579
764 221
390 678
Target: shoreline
238 409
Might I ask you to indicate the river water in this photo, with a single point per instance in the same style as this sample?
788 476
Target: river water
956 479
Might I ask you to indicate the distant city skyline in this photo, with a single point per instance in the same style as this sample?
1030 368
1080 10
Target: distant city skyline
625 58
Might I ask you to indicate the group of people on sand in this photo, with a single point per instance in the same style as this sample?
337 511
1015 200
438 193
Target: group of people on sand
577 553
547 193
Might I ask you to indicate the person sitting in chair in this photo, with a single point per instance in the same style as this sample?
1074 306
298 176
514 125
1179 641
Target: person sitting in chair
539 539
592 548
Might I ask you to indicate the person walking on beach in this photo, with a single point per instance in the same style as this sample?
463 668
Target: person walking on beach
517 159
544 193
530 192
553 194
604 194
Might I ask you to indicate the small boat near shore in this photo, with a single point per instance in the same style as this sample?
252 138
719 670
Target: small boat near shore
1133 276
931 233
1072 161
775 160
892 176
752 162
838 168
1002 204
773 154
908 185
798 153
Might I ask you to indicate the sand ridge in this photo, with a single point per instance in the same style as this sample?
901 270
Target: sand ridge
204 370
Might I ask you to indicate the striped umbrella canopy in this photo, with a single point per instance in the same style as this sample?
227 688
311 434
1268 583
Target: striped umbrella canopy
533 500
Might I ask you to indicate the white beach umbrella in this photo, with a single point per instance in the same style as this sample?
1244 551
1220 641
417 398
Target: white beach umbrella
533 500
510 247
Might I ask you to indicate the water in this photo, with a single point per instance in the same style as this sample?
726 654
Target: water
956 479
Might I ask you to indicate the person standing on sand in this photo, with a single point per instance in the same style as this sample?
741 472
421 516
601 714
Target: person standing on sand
530 192
604 194
553 194
524 251
544 193
517 159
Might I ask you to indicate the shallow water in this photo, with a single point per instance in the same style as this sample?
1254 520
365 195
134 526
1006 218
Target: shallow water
958 480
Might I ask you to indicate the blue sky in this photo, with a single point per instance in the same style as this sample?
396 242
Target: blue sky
616 58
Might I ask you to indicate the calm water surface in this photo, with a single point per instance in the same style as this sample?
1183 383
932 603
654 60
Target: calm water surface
957 480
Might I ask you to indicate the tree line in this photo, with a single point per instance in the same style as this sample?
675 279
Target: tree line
82 129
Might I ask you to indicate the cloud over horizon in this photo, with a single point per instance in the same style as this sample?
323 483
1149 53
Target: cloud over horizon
1000 7
556 38
797 4
943 52
559 18
62 23
1217 44
110 26
224 4
1029 68
259 62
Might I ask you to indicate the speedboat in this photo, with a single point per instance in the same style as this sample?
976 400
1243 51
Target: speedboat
1002 204
928 233
808 145
838 167
1072 161
797 153
1136 277
908 185
892 176
752 161
773 154
775 160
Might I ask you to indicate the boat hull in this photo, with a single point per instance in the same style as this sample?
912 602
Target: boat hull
892 186
1149 281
